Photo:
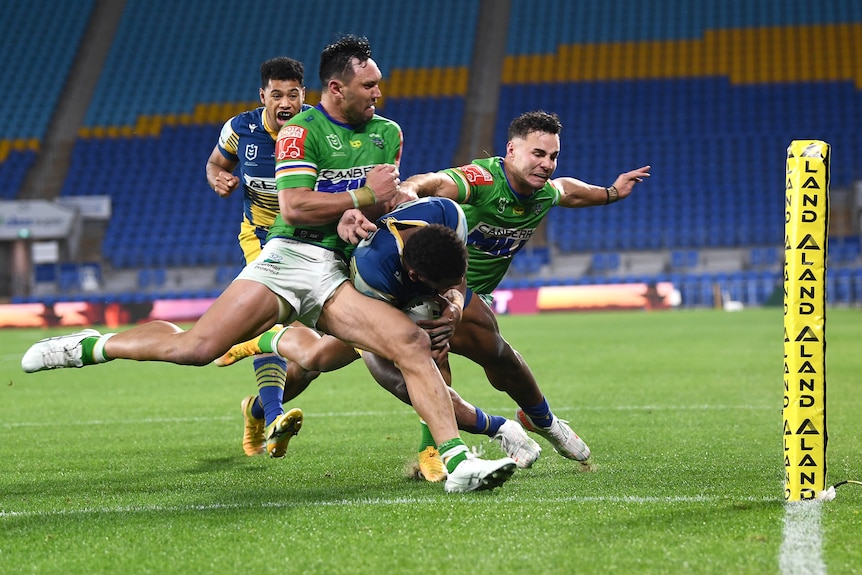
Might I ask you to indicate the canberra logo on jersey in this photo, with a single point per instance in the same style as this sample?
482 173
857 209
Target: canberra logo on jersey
498 241
336 178
477 175
291 143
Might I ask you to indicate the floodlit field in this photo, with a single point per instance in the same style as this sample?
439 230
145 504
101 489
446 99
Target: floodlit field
137 468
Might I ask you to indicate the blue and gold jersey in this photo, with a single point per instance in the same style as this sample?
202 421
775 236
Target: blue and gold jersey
249 140
317 152
376 268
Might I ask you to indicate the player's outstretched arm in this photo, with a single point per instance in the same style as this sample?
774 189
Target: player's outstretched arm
431 184
578 194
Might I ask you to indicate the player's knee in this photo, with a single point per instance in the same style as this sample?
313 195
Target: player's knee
415 346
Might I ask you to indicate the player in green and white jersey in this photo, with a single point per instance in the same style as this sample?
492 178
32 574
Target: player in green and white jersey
504 200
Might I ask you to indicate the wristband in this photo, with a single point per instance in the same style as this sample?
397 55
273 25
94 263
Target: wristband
364 196
613 194
354 198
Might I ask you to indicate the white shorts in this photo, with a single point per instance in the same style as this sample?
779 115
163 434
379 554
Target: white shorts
303 276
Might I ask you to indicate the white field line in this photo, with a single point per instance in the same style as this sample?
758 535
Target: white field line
802 545
366 502
404 412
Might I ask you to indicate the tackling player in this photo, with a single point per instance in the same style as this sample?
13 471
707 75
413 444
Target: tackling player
504 200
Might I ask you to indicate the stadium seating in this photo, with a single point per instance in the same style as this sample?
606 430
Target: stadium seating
709 93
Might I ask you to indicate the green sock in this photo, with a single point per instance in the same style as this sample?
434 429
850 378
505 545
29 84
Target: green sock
265 342
87 345
427 440
453 452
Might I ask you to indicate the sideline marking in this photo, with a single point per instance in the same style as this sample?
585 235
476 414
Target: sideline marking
802 546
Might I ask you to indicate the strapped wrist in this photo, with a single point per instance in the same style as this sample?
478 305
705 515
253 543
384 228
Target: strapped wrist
613 194
364 196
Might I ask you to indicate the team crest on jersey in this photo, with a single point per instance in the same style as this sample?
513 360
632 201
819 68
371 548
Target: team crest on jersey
291 142
501 205
477 175
376 139
334 142
537 209
251 152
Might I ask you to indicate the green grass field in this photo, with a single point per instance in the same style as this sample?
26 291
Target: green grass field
138 468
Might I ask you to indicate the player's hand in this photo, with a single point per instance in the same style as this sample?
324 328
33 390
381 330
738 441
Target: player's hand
383 180
354 226
402 195
440 330
626 182
225 183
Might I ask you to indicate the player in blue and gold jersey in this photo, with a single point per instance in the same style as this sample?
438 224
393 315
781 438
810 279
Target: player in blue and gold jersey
247 141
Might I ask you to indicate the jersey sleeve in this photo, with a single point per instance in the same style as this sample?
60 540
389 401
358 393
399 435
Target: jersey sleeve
295 165
228 140
468 178
395 144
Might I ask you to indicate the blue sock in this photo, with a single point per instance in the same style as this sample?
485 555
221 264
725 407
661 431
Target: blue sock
486 424
270 372
540 414
257 408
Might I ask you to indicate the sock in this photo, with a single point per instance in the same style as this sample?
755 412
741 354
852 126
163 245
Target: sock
268 341
93 349
270 372
486 424
257 408
427 440
453 452
540 414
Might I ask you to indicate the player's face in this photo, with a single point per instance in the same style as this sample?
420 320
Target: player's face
282 100
360 94
441 286
531 161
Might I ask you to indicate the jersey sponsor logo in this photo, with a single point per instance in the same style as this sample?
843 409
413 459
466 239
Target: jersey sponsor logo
355 144
264 185
251 152
252 127
334 141
336 176
291 131
290 144
497 241
477 175
492 231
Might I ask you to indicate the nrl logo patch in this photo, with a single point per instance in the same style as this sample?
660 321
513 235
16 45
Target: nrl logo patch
501 205
251 152
334 142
